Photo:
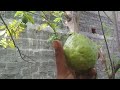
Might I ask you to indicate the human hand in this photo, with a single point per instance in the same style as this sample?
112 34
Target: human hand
65 72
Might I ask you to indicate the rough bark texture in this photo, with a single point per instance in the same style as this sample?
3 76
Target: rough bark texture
73 18
116 30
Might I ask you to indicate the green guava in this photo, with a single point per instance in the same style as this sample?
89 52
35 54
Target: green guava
81 53
24 20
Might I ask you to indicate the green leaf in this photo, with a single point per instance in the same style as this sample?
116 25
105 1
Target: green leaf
11 44
4 43
2 27
17 34
53 25
23 25
53 37
57 13
57 19
19 13
5 46
42 26
29 17
15 28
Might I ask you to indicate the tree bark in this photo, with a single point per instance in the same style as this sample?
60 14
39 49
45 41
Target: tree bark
72 22
116 30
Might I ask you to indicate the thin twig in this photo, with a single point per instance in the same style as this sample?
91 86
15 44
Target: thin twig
116 68
67 16
105 14
13 39
106 44
48 22
106 69
108 16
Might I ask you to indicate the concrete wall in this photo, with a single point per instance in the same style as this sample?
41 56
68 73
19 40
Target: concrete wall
89 20
36 47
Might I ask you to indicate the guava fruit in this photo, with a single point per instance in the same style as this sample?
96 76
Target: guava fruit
24 20
81 53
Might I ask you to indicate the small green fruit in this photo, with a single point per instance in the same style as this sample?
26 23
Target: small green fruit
24 20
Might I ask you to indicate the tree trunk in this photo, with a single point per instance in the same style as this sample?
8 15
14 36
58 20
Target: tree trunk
116 30
72 22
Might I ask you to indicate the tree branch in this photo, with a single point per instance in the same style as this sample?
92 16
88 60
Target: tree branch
116 68
108 16
106 45
67 16
45 17
13 40
48 22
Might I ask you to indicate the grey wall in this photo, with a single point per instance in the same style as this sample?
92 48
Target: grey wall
36 47
89 20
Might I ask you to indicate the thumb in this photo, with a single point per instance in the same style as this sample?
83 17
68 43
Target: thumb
57 44
62 68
